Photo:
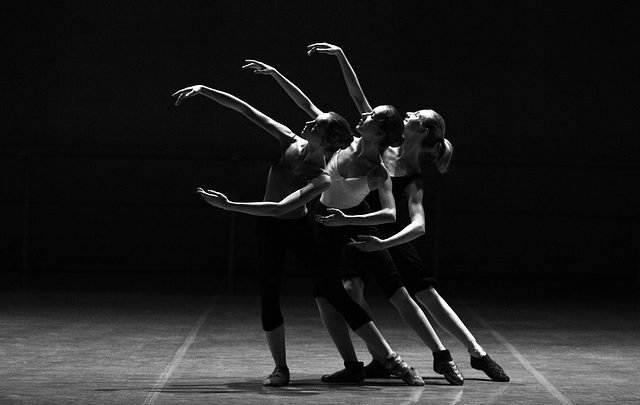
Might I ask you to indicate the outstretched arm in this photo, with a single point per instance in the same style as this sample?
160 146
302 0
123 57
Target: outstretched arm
292 90
355 90
267 208
281 132
413 230
386 214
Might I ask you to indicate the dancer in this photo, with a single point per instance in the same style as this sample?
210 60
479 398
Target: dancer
294 180
424 140
355 172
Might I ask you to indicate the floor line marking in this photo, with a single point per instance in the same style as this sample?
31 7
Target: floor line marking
544 381
177 358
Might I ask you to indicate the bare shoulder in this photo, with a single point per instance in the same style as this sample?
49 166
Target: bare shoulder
295 146
378 177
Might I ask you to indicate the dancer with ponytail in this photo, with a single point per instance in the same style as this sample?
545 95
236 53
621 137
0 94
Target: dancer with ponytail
424 140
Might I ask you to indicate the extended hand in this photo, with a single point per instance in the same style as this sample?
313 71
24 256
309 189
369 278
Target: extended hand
336 218
186 93
213 197
259 67
323 47
367 243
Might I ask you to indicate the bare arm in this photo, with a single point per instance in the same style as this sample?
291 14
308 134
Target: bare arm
279 131
292 90
350 78
413 230
267 208
386 214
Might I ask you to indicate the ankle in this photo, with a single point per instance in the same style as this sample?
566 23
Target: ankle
475 350
353 365
442 356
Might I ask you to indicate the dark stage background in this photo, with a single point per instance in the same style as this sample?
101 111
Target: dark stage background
99 168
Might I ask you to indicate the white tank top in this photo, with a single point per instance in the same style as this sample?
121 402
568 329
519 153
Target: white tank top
344 192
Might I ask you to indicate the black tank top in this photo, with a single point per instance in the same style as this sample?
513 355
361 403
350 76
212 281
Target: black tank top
401 197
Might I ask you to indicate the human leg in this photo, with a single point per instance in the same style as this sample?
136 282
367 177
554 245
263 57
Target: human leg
449 321
416 319
382 268
338 306
271 257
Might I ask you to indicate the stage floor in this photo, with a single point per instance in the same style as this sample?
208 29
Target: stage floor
99 348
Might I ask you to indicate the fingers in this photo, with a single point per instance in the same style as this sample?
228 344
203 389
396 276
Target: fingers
182 94
320 47
252 65
317 44
323 220
365 237
257 69
184 90
256 65
216 194
209 193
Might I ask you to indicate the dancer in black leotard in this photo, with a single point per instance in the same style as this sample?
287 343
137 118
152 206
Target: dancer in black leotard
424 141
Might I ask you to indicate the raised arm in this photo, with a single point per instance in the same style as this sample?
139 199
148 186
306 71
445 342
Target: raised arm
292 90
386 214
350 78
267 208
279 131
413 230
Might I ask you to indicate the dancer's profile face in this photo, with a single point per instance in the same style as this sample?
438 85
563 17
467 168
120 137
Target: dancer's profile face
413 123
416 125
313 130
369 123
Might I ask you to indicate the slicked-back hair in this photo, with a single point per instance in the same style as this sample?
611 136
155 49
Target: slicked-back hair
337 132
437 128
391 123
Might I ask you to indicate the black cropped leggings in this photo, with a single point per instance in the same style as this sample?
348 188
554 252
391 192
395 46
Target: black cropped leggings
301 237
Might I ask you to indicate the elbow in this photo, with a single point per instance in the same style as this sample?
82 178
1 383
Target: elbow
390 216
421 229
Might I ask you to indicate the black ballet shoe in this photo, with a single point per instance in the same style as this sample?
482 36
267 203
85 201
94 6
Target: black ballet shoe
444 364
490 368
353 373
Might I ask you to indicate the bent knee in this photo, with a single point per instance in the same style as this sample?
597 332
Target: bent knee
354 287
401 297
428 295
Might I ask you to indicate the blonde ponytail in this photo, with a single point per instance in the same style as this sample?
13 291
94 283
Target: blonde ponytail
445 153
